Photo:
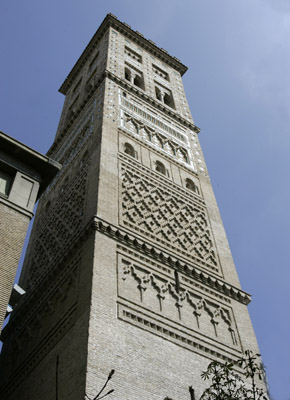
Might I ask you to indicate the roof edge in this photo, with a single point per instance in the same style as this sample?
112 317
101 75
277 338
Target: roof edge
122 27
45 166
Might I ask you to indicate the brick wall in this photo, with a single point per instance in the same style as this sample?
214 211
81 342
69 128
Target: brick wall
13 227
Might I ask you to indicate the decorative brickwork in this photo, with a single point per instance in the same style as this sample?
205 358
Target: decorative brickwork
173 334
184 276
128 264
179 303
60 224
156 139
154 210
199 276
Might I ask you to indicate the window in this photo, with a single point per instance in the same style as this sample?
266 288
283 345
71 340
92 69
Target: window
159 167
127 74
134 76
138 81
5 183
158 94
189 184
129 149
164 95
168 100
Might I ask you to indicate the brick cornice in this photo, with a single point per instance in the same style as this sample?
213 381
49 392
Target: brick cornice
121 235
125 29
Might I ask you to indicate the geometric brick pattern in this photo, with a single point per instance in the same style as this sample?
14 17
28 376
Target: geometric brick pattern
152 208
156 139
59 225
194 311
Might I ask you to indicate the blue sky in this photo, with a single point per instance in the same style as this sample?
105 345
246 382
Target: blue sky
238 87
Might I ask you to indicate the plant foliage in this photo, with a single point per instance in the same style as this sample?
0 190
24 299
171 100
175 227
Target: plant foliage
226 384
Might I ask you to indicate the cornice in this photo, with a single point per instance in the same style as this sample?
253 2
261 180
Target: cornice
121 235
25 309
16 207
147 44
112 21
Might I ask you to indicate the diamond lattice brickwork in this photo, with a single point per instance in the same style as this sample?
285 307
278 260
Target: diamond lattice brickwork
150 207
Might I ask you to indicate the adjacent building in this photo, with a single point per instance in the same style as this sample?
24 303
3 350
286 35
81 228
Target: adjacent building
24 175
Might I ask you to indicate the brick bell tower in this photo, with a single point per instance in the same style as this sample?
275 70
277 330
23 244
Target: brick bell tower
128 266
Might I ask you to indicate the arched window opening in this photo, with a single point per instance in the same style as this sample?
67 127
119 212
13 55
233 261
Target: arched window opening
127 74
189 184
158 93
134 77
138 81
159 167
129 149
165 96
168 100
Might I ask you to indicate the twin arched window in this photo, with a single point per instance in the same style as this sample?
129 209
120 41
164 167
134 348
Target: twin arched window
165 96
134 77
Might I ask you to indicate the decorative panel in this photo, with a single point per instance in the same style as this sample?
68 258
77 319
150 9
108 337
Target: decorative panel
159 213
157 140
59 224
158 300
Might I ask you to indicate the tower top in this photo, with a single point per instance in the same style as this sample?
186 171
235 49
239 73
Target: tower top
112 21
